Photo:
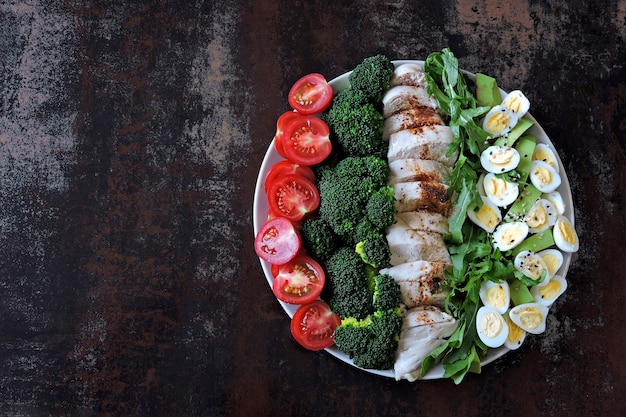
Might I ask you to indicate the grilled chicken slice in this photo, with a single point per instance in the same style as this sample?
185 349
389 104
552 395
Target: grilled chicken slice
413 169
424 142
425 220
407 245
419 195
408 74
405 97
424 329
409 119
420 282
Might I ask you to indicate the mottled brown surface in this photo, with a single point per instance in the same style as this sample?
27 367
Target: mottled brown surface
131 134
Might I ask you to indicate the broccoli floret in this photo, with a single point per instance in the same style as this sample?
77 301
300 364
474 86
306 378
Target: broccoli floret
380 208
371 342
356 124
386 293
345 190
374 250
349 294
318 239
372 77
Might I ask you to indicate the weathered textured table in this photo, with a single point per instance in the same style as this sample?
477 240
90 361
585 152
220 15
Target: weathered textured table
131 134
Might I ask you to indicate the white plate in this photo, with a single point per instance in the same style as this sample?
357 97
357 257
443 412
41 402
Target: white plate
260 210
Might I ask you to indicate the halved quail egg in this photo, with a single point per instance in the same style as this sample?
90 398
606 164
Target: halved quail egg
565 235
499 159
496 295
509 235
500 191
517 102
544 153
516 335
548 293
532 266
491 327
530 317
499 121
544 177
541 216
553 259
487 217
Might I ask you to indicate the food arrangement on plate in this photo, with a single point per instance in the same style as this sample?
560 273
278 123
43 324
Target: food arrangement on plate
413 219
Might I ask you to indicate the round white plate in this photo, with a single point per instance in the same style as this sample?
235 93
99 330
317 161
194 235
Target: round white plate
260 210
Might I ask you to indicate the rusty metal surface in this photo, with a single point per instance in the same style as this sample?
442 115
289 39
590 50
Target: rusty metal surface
130 139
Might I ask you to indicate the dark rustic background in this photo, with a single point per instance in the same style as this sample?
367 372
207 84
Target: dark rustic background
131 134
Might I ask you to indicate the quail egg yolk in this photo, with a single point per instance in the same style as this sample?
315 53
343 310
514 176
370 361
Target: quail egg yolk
543 175
496 296
501 156
530 317
515 332
491 324
552 262
487 216
512 234
550 290
569 235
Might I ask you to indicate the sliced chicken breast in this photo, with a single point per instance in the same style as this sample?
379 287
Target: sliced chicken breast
405 97
419 195
412 118
407 245
426 220
420 282
423 330
414 169
423 142
408 74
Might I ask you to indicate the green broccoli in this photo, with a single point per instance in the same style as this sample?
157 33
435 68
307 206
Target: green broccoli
380 208
318 239
374 250
345 190
386 293
347 287
356 124
370 342
372 77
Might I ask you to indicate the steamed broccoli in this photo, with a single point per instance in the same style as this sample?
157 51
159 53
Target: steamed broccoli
386 293
380 208
318 239
356 124
372 77
348 290
345 190
374 250
370 342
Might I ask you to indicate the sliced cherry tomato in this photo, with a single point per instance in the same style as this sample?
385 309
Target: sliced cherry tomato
286 167
311 94
314 324
299 281
278 241
281 123
306 140
293 197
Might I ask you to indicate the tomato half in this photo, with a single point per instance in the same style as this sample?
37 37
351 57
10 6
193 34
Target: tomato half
306 140
299 281
311 94
286 167
314 324
293 197
281 124
278 241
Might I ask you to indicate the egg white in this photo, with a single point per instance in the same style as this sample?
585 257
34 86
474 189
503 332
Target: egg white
539 292
531 317
538 181
501 289
488 319
506 191
499 159
561 240
502 238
